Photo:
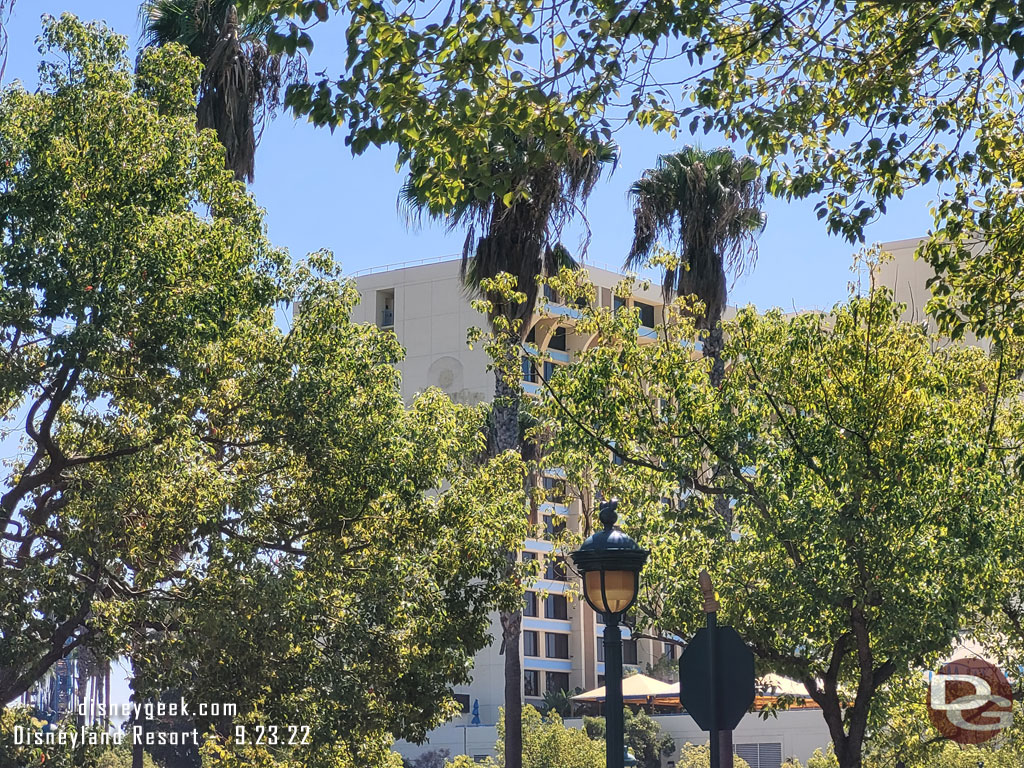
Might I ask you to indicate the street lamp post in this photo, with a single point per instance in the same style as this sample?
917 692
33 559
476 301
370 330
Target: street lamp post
610 563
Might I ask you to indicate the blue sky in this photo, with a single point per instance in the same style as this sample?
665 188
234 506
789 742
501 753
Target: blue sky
318 196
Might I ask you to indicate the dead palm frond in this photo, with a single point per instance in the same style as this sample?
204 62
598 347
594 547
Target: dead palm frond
242 82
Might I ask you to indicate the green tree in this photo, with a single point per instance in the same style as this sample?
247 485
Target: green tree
691 756
217 753
819 759
242 81
117 222
248 511
356 599
642 735
465 761
865 460
666 669
559 702
511 241
19 755
901 729
548 743
708 205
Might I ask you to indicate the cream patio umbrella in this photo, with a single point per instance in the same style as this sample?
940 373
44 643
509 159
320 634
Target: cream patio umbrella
637 689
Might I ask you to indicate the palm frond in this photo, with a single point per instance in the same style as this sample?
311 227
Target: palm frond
520 239
6 6
707 206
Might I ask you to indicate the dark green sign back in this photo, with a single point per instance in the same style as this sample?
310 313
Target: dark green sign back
735 687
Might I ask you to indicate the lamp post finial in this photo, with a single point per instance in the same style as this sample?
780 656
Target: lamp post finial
608 516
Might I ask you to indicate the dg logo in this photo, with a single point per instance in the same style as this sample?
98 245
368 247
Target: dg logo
971 701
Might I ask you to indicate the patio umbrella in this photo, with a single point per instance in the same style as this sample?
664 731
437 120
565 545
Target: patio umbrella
636 689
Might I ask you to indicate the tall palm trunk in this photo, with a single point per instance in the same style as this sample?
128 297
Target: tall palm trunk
714 342
505 437
242 82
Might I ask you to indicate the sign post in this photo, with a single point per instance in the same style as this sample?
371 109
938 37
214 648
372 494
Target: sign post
711 609
716 679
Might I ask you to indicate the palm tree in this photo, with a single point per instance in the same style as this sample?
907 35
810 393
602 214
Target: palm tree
242 82
707 204
519 239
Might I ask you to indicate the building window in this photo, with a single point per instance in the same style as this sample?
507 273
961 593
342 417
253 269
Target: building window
618 303
761 755
549 370
556 645
554 525
530 643
600 680
552 295
556 607
600 649
646 314
529 556
530 604
531 682
556 681
463 700
629 651
558 340
556 570
599 617
670 650
529 370
386 308
554 488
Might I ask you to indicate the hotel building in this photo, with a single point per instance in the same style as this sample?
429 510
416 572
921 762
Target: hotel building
430 312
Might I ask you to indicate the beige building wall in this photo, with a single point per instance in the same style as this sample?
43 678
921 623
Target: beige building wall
431 313
908 278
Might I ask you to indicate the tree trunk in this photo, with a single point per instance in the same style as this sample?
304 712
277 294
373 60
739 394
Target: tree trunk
511 626
846 728
851 756
505 437
136 743
713 345
848 749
